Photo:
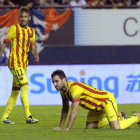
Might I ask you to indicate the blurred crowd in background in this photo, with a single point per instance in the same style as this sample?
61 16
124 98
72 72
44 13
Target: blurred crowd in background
73 3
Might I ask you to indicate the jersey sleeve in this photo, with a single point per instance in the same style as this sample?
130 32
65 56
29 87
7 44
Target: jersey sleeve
32 38
10 34
75 93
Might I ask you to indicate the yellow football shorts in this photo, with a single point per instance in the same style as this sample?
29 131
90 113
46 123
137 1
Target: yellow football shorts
19 76
110 110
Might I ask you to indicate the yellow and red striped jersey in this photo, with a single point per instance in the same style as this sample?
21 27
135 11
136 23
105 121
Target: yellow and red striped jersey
20 41
89 97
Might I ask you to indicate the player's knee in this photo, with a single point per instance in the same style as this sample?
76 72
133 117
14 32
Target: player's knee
114 124
15 91
15 88
24 89
24 86
92 125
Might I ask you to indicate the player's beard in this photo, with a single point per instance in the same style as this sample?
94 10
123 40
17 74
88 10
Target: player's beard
24 23
58 88
64 88
61 87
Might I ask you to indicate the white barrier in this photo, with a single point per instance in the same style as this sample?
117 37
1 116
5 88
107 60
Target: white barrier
107 27
122 80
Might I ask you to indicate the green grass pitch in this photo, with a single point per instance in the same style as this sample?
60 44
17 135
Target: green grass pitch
49 117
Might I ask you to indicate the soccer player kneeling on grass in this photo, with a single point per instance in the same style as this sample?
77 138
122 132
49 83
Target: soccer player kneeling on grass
98 102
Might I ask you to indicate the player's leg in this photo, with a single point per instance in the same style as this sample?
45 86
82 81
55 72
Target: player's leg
12 100
105 122
95 119
21 74
129 121
112 111
102 122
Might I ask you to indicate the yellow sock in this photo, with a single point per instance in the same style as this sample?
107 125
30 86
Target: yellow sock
103 122
128 122
24 100
10 104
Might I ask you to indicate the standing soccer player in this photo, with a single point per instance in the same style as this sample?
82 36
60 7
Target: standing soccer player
21 37
98 102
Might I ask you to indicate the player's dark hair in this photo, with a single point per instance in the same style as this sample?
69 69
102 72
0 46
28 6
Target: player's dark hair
25 9
60 73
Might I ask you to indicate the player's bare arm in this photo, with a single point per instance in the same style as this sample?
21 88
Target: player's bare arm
35 54
64 113
73 114
2 48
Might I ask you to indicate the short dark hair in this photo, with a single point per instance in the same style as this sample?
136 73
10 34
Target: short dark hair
25 9
60 73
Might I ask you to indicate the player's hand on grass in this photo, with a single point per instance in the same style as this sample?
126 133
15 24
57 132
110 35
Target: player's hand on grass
67 129
57 128
60 129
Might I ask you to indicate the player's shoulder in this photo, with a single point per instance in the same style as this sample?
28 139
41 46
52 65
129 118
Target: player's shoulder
80 86
73 85
70 83
31 29
12 27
